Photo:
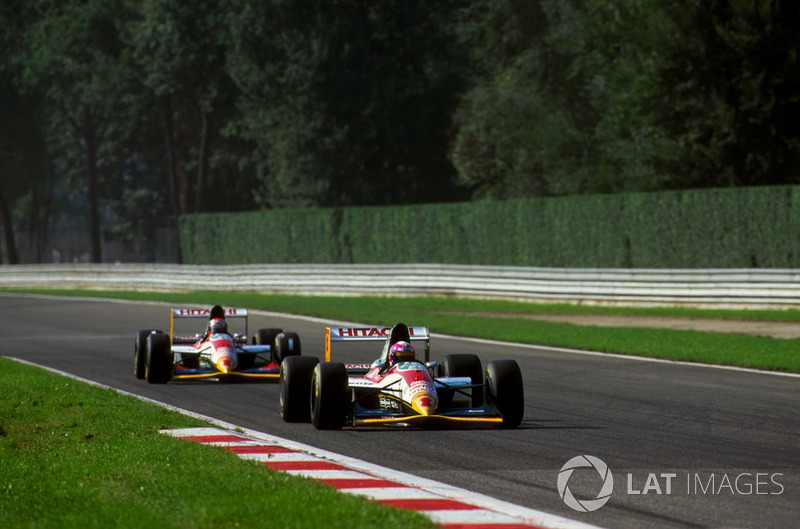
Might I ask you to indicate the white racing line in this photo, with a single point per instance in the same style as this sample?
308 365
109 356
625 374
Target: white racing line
446 505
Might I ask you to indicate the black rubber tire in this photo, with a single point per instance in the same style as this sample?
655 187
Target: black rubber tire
505 390
140 352
464 365
158 366
286 344
330 396
294 387
266 336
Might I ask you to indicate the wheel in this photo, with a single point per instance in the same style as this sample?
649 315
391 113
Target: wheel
463 365
329 396
266 336
505 390
140 352
295 388
158 367
286 344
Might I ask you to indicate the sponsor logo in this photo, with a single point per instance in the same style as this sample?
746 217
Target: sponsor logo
201 312
365 332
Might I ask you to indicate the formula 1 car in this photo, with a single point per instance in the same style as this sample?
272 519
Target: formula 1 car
332 394
160 357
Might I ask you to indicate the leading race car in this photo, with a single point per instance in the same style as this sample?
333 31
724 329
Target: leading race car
216 354
397 388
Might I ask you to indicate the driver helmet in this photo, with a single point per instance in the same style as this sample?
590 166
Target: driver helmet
217 326
401 352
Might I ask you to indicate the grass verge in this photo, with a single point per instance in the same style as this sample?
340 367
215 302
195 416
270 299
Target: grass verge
78 456
470 317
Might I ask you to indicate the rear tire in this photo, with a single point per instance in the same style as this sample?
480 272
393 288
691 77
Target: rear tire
266 336
286 344
295 388
158 368
505 390
464 365
330 396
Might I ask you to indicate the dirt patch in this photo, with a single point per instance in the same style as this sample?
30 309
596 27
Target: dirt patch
773 329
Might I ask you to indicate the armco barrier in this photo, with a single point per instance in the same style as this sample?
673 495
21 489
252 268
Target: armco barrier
752 288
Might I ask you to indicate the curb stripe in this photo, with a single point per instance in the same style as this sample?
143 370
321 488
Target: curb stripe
449 512
304 465
428 504
258 449
365 483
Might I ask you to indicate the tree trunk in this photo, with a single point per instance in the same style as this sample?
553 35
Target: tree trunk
91 176
202 156
175 172
8 231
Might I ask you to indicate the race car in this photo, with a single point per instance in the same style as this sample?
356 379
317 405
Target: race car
215 354
397 388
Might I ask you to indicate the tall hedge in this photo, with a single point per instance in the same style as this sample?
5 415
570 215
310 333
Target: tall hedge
720 228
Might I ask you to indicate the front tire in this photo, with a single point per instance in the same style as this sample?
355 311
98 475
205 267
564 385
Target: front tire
140 352
505 390
158 367
295 388
330 396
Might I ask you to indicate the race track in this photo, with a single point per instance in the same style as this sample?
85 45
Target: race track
711 435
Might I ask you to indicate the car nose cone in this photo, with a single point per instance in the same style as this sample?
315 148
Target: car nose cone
226 364
424 404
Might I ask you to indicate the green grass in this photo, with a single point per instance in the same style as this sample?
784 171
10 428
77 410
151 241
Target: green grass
470 317
78 456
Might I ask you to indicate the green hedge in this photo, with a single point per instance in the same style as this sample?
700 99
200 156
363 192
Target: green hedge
720 228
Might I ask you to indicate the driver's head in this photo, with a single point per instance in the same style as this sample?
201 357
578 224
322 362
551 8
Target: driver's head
401 352
217 326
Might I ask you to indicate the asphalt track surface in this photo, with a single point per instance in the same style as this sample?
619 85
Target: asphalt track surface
731 438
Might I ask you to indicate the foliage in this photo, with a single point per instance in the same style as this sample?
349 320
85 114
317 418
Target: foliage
136 112
732 228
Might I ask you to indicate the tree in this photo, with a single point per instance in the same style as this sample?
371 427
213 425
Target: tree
562 98
74 57
729 89
346 102
180 49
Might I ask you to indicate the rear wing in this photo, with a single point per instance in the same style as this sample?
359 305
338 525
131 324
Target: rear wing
366 334
203 313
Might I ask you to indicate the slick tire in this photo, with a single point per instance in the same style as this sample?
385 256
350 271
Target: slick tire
505 391
286 344
464 365
266 336
140 352
329 396
158 366
294 387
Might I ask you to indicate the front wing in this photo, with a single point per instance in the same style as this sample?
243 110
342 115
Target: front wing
181 372
404 414
468 417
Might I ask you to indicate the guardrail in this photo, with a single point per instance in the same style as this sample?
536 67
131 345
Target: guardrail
734 288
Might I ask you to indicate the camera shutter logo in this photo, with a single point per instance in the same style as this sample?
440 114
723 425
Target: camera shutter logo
585 462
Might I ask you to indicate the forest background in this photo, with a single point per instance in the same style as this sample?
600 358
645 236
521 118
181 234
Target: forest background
117 117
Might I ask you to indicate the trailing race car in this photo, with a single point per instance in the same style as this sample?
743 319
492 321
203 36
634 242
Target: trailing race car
218 354
397 388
